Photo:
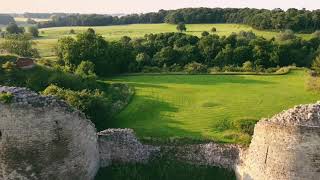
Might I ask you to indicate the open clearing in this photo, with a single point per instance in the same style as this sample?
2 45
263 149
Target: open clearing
51 35
208 106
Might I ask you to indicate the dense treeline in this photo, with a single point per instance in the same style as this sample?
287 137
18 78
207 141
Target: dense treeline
6 19
43 15
277 19
103 20
178 51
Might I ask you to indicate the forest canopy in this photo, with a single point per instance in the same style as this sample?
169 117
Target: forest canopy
276 19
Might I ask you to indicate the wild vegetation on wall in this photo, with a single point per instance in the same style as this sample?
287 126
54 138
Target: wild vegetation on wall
99 101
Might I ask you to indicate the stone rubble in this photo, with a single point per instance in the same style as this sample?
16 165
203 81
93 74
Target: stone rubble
301 115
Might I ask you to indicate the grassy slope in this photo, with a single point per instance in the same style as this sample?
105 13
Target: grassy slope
50 36
206 106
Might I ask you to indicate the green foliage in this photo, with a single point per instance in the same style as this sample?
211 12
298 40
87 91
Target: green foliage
13 28
286 35
195 68
72 31
86 70
166 49
8 66
33 31
213 29
316 64
99 101
316 34
247 66
150 69
31 21
205 33
92 102
21 45
245 125
181 27
6 97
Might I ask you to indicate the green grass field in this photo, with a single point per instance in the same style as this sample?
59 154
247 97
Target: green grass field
51 35
207 106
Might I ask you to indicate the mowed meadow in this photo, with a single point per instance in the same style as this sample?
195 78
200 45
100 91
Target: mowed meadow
50 36
208 107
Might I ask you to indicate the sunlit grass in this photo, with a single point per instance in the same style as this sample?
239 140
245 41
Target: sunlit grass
208 106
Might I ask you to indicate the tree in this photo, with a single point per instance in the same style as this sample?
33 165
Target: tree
86 70
13 28
214 29
247 66
286 35
33 31
194 68
181 27
72 31
143 59
21 45
31 21
316 64
205 33
316 34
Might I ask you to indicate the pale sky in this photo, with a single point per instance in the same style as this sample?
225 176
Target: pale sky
139 6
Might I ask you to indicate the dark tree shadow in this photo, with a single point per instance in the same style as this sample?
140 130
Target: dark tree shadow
149 118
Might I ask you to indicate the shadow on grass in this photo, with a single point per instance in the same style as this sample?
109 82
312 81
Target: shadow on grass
189 80
151 117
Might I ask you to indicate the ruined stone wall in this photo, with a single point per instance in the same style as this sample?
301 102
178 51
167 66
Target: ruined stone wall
285 147
210 154
122 146
43 138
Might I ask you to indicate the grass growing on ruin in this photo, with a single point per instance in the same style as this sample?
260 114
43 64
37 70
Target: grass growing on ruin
164 170
49 36
215 107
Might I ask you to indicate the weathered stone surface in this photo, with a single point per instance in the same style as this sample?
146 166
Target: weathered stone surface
43 138
210 154
122 146
285 147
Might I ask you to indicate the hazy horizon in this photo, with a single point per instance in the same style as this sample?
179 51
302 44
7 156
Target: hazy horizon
142 6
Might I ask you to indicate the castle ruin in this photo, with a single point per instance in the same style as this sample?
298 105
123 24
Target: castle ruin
42 137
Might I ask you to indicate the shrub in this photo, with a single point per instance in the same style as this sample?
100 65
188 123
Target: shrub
205 33
247 66
72 31
215 69
195 68
86 70
316 64
245 125
175 68
286 35
313 84
33 31
6 97
92 102
214 29
151 69
21 45
8 66
181 27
